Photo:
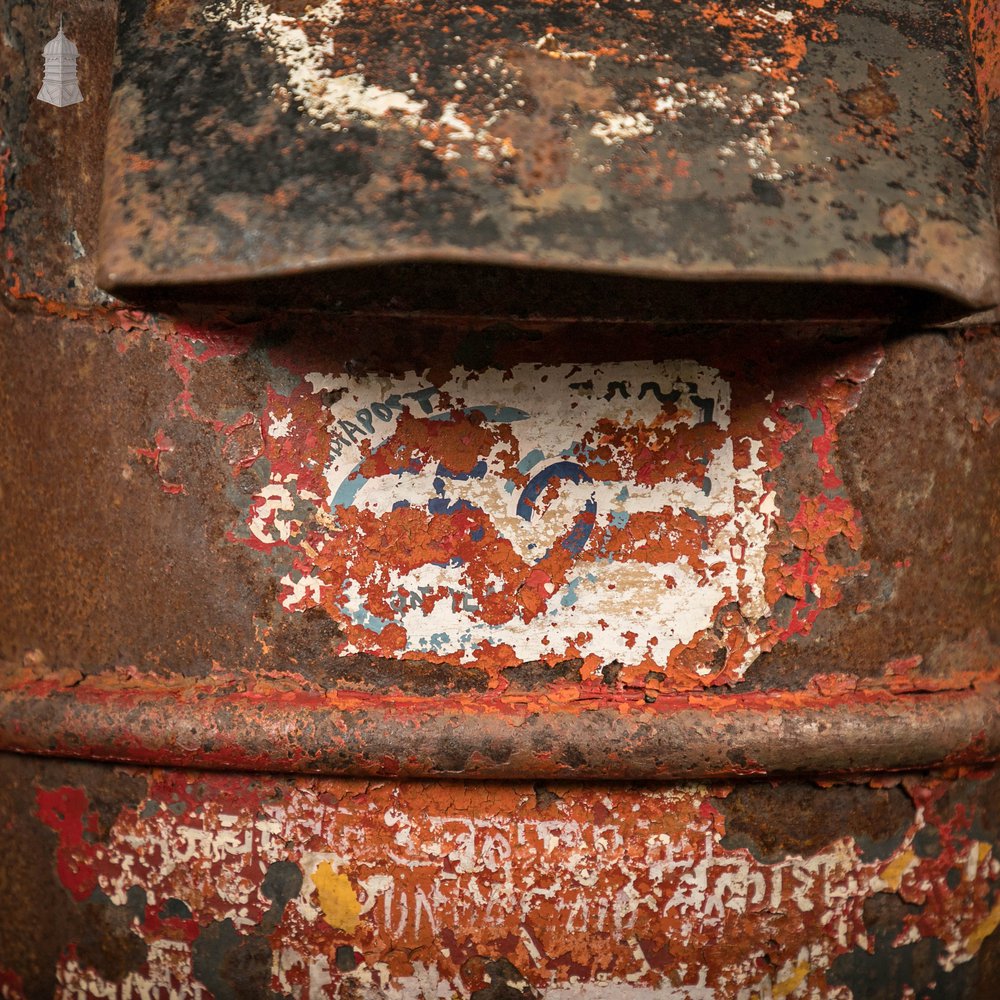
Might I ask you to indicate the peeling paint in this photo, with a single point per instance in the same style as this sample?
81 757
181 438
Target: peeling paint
306 45
517 513
337 898
390 543
585 891
511 515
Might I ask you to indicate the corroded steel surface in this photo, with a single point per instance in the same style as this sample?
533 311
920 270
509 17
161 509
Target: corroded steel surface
830 140
404 543
52 159
185 884
244 537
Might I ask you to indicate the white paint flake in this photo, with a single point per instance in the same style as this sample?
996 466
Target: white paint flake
323 97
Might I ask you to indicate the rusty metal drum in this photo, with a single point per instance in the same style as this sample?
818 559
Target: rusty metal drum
501 502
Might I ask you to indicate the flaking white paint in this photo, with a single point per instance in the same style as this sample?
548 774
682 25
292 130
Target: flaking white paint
626 610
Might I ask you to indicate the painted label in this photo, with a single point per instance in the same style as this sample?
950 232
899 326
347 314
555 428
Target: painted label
542 512
583 894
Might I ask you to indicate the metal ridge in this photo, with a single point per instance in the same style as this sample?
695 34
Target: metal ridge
273 728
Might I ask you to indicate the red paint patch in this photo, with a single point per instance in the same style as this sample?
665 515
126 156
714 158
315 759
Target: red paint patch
67 811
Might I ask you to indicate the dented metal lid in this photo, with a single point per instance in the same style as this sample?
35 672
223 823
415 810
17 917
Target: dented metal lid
805 142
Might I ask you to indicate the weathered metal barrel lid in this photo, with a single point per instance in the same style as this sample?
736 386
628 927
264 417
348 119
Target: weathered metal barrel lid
832 141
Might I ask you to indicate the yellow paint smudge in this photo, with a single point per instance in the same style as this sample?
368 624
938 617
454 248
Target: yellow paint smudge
893 872
337 898
983 931
786 986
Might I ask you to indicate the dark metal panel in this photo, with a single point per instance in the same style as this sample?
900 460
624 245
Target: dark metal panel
837 140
